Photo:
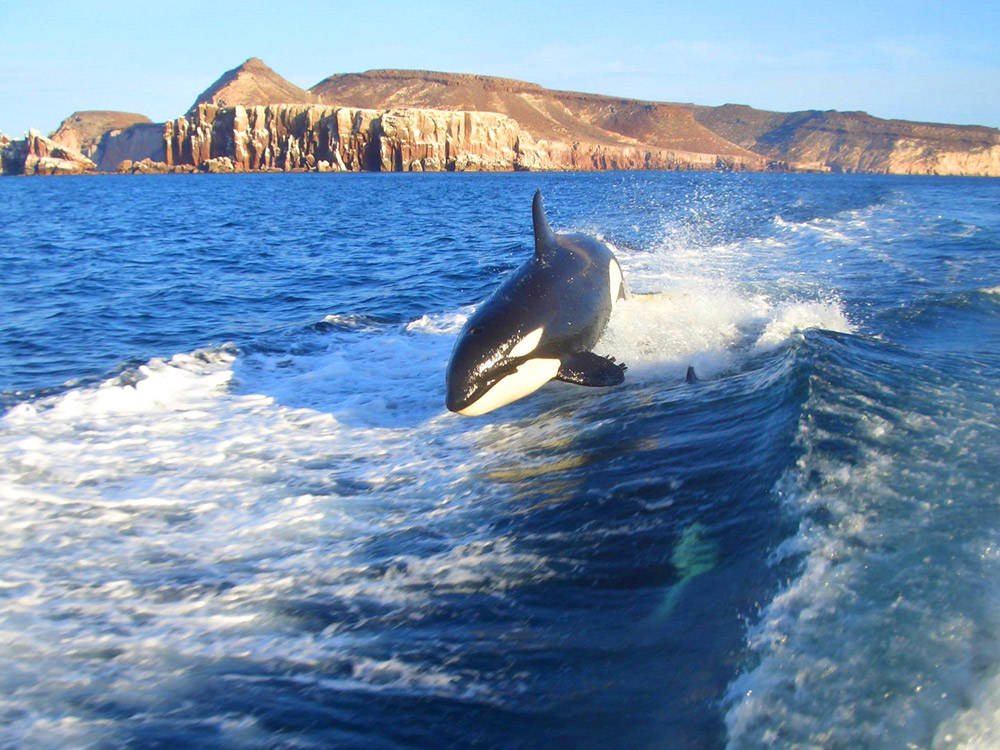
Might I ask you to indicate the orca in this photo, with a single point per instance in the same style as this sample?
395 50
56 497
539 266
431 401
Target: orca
540 324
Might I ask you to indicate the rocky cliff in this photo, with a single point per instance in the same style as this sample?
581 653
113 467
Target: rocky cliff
823 141
308 137
36 154
584 122
253 119
857 142
140 141
84 131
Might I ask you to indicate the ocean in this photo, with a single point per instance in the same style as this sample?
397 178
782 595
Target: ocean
234 512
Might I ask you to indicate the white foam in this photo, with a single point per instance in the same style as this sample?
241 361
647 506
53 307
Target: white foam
661 334
149 530
441 323
714 327
879 636
789 319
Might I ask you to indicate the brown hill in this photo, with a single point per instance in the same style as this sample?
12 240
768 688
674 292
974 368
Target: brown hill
550 115
252 84
856 141
83 131
500 123
812 140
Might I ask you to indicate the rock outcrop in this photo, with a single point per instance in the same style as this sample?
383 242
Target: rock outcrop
592 132
148 166
857 142
735 134
84 131
330 138
136 143
252 119
36 154
108 138
12 155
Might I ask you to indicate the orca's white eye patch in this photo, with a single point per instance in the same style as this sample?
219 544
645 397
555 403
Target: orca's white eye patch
528 344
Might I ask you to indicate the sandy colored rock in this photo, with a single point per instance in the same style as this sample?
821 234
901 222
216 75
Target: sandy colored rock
857 142
146 166
567 130
589 131
252 84
405 120
83 131
300 137
38 155
141 141
218 165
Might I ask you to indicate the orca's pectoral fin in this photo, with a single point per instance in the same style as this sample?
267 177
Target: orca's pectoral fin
587 368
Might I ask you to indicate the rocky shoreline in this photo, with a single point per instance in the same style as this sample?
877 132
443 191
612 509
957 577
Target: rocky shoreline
316 138
419 121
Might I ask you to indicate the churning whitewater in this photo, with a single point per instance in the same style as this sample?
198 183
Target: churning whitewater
236 513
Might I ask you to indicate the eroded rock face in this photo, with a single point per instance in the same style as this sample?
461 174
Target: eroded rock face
585 123
36 154
11 158
84 131
139 142
326 138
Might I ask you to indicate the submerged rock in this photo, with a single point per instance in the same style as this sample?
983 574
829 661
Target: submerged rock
146 166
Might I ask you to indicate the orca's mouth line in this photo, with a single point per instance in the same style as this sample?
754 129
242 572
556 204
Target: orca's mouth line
495 376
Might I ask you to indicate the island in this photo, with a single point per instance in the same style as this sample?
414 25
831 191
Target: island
252 120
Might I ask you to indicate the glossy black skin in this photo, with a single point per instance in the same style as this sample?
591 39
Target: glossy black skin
564 289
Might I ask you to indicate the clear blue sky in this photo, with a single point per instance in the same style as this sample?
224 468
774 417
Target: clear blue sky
912 59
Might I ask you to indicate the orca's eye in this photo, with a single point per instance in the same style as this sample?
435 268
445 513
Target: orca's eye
474 331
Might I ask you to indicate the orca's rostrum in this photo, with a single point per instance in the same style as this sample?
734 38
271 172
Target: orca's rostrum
540 325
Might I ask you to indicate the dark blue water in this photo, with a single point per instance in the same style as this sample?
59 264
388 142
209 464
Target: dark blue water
235 512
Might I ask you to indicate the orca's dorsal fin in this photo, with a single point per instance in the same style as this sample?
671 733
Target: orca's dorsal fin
545 238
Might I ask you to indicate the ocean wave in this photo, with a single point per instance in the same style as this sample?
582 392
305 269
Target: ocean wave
880 545
170 516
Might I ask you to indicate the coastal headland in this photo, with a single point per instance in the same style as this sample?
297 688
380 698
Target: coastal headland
252 119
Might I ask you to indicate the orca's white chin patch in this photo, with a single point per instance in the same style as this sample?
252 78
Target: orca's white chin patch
615 281
527 378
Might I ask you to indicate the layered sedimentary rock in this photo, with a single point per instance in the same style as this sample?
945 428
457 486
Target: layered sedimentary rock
330 138
36 154
857 142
